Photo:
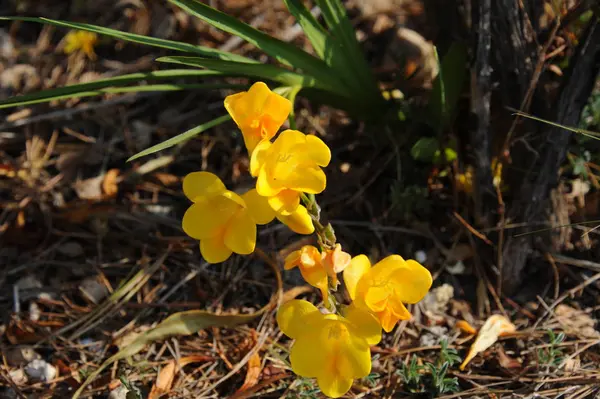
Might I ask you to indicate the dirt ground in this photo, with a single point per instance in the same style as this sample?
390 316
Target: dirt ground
92 252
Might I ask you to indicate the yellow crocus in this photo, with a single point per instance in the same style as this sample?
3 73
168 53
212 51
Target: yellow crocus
331 348
222 220
258 112
384 288
289 166
318 267
77 40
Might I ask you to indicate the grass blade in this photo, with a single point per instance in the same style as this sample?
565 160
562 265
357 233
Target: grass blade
325 46
283 52
134 38
76 90
270 72
342 30
586 133
181 137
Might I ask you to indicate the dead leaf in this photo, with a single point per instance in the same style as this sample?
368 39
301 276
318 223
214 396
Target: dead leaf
506 361
109 184
251 375
493 327
166 377
89 189
576 321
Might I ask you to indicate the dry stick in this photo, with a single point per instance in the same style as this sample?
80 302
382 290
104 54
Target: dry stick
564 296
550 259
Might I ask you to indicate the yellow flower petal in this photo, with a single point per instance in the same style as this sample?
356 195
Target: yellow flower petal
307 179
258 157
318 150
240 235
266 185
286 202
308 353
411 282
387 319
364 324
299 222
317 277
359 266
334 385
213 250
207 218
287 140
354 358
258 207
203 184
292 317
376 297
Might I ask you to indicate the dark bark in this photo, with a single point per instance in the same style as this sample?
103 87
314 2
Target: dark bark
574 93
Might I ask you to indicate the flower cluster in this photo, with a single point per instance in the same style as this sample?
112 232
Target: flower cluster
333 344
79 40
225 222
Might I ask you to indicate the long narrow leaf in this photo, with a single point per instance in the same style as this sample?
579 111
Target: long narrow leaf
181 137
76 90
341 28
324 44
285 53
132 37
270 72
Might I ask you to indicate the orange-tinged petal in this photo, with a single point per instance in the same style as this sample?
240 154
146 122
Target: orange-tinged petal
387 319
364 324
317 277
202 184
336 260
359 266
398 308
207 218
292 260
292 317
213 250
310 257
299 222
318 150
259 156
411 282
286 202
258 207
240 234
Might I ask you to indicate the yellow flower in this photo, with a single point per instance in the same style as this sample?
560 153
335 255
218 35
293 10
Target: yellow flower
386 287
258 112
289 166
335 261
332 348
81 40
222 220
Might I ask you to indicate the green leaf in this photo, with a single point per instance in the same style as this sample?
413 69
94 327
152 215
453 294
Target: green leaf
424 149
141 39
270 72
324 44
283 52
84 89
181 137
448 85
342 30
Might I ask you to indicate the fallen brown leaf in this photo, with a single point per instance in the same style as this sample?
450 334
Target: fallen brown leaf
251 375
166 377
493 327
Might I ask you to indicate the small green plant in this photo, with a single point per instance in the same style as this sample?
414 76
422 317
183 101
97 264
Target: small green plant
132 391
552 355
431 377
304 388
372 379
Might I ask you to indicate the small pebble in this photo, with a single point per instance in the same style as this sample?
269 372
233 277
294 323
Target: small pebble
41 370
